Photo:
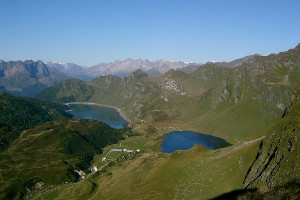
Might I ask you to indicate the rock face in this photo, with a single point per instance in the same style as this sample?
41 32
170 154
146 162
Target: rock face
277 161
27 78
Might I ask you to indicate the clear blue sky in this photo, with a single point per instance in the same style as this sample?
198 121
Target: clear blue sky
87 32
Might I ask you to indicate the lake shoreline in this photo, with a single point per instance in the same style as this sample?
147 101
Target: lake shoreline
119 110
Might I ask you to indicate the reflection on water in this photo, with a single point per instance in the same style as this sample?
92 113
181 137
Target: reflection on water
183 140
107 115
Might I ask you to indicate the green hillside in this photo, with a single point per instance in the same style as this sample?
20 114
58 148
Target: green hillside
67 91
19 113
48 155
265 166
41 147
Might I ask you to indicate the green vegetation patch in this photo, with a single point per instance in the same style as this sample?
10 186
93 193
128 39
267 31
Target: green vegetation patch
50 154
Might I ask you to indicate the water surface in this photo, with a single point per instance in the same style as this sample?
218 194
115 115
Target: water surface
104 114
184 140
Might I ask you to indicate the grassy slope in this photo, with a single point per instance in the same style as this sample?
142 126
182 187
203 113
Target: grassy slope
50 152
277 160
67 91
200 173
275 169
197 173
19 113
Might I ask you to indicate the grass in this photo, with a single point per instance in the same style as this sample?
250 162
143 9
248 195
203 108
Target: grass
50 153
183 175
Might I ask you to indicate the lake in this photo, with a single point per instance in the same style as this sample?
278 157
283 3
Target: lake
184 140
104 114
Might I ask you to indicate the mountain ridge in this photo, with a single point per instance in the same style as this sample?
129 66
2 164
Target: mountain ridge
27 78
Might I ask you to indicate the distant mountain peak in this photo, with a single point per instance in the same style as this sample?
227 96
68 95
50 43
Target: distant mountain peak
175 60
55 62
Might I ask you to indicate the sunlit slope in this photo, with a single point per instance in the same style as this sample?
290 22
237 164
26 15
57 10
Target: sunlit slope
197 173
267 161
275 171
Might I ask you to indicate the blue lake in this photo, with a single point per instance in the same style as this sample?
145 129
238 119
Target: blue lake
107 115
184 140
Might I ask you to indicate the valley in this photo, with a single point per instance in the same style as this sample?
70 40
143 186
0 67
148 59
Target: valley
199 172
149 100
252 105
246 105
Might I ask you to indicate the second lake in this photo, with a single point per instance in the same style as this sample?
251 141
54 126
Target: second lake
184 140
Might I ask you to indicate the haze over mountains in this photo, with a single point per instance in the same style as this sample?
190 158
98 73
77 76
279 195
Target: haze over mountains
126 67
118 68
27 78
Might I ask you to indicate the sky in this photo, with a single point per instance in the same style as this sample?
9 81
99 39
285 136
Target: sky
87 32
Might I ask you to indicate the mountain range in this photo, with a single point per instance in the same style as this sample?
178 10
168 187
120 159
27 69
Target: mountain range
126 67
118 68
27 78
